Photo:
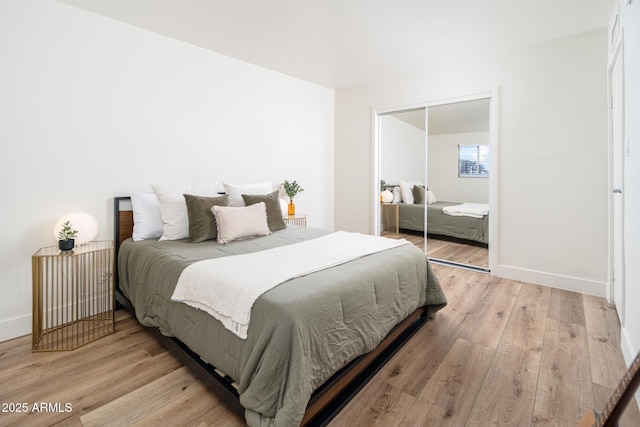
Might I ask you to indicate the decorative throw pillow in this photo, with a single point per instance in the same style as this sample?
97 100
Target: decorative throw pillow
418 193
405 190
397 197
274 209
147 222
235 191
202 222
240 222
430 197
173 208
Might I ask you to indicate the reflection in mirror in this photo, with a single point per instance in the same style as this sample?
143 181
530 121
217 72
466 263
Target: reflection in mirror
403 143
458 172
438 178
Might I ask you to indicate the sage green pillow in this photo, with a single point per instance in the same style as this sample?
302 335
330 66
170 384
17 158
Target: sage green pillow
202 223
274 212
418 194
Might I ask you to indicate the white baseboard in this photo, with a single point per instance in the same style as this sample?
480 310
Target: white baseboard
15 327
22 325
627 348
567 283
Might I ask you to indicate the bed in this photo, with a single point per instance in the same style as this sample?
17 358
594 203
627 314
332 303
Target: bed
313 341
411 217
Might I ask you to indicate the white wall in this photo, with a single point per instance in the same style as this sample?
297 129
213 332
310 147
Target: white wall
443 169
630 17
92 108
552 112
402 151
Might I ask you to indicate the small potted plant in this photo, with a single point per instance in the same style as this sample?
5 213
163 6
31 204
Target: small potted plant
291 188
66 236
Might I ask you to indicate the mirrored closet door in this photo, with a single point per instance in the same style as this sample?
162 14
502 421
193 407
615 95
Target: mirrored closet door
434 172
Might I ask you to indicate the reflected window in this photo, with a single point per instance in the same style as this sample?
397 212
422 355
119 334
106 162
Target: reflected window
473 161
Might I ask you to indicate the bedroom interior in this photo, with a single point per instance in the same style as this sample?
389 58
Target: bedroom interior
101 98
421 147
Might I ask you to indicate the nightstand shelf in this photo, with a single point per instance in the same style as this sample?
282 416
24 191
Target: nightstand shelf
391 217
73 297
298 220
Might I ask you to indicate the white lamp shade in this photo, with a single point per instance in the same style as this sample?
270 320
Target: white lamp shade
386 196
86 225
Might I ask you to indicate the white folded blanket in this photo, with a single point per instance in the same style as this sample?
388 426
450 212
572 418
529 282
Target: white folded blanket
226 288
474 210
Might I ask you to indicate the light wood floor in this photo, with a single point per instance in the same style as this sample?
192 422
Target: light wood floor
501 353
447 250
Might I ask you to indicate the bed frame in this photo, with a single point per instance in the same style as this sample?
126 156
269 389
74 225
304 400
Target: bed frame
327 401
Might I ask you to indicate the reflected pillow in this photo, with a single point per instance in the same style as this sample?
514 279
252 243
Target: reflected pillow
202 222
397 197
430 197
405 190
235 222
274 208
418 193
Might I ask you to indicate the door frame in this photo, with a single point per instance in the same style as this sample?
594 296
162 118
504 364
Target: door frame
491 94
616 287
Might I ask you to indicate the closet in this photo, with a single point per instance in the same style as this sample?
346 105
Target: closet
433 172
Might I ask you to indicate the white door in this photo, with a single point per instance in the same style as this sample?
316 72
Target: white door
617 180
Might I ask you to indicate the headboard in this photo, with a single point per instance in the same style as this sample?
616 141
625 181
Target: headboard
122 227
123 219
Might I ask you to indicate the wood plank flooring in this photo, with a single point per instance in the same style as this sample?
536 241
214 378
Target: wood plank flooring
501 353
448 250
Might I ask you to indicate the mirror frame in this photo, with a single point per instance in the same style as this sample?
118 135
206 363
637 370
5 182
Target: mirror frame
493 178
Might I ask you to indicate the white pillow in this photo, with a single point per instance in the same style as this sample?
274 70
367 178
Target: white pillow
147 221
235 191
430 198
406 190
397 197
239 222
173 208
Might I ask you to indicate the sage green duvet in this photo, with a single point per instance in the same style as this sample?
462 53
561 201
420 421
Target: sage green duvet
301 332
461 227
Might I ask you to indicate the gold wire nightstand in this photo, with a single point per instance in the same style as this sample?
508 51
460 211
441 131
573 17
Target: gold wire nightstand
298 220
72 296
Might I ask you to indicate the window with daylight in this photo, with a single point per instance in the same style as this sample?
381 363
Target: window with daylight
473 161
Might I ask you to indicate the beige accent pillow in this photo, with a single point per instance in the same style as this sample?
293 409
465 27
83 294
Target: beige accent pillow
202 223
240 222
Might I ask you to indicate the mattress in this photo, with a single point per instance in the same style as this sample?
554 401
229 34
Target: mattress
301 332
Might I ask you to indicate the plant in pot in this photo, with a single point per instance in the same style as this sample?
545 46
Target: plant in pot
66 236
291 188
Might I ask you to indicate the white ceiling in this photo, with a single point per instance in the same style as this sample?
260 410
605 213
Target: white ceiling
458 117
343 43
